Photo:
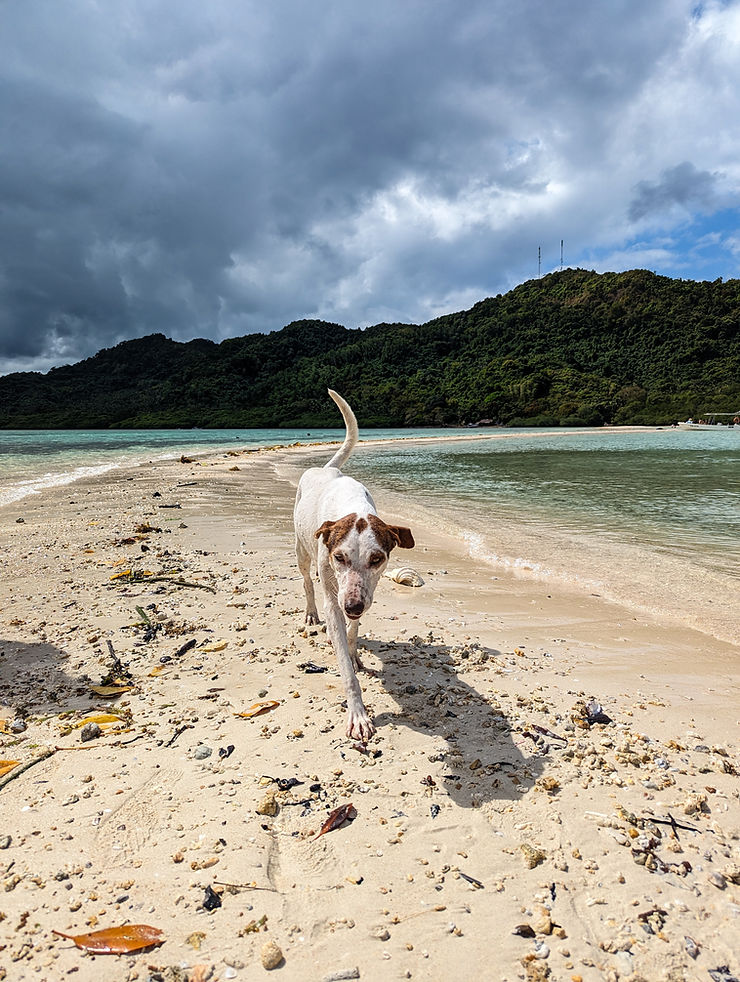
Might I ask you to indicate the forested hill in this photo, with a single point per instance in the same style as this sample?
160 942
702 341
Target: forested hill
571 348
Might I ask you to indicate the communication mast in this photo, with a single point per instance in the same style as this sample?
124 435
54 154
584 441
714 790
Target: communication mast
539 262
561 253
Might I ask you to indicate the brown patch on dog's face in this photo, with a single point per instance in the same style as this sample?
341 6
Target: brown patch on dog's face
361 524
332 533
390 535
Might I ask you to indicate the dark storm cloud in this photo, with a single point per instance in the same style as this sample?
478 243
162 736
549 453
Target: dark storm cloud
213 169
682 185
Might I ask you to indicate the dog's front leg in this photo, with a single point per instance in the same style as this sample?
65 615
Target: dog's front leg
352 631
359 726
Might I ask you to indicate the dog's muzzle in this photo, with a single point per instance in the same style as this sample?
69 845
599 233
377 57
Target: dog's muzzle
354 610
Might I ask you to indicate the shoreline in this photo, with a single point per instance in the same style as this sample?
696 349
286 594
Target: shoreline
469 667
65 478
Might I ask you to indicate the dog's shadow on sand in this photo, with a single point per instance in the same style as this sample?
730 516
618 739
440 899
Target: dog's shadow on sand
34 679
481 761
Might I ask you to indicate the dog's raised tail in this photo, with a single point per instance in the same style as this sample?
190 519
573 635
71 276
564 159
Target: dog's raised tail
342 455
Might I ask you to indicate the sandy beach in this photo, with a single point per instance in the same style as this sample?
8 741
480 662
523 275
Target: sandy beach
504 827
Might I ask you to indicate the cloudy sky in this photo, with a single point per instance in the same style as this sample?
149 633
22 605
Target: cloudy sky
209 168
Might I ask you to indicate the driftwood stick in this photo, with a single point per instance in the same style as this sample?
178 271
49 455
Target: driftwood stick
17 771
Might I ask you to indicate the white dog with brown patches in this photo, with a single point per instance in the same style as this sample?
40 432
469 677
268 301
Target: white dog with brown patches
337 527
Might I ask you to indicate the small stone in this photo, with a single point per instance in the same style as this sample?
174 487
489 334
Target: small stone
717 880
5 841
532 856
271 955
341 974
90 731
201 752
380 933
542 922
268 805
18 726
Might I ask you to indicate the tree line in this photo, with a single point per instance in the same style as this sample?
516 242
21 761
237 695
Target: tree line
572 348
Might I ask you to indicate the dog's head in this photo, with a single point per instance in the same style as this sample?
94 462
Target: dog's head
358 552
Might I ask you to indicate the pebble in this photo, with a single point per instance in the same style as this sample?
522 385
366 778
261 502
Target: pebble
532 856
380 933
5 841
271 955
90 731
717 880
541 921
341 974
268 805
202 751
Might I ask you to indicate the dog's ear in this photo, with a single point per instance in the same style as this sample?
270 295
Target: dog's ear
404 536
324 532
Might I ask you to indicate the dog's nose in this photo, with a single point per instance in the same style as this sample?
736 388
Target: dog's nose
354 609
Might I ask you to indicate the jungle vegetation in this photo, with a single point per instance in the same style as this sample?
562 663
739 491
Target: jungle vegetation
572 348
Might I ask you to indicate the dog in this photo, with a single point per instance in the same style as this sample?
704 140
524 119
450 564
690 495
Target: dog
338 530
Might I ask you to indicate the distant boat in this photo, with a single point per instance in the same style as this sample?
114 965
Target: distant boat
710 421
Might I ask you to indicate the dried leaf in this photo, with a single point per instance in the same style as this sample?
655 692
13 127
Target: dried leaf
336 818
216 646
5 726
110 690
102 719
117 940
258 709
7 765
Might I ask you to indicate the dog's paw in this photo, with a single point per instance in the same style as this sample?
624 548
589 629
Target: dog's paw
359 727
312 617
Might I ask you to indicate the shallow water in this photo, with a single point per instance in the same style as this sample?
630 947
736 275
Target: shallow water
650 520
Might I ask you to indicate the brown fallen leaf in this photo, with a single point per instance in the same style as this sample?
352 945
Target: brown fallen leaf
117 940
336 817
7 765
258 709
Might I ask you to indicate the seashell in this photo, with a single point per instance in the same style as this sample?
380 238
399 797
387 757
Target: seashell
405 575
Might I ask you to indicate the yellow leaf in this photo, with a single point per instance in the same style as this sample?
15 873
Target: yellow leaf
216 646
7 765
258 709
158 669
110 690
101 719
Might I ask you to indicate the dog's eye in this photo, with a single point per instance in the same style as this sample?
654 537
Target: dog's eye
377 560
339 558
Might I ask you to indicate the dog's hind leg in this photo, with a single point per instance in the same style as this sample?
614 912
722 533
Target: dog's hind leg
304 565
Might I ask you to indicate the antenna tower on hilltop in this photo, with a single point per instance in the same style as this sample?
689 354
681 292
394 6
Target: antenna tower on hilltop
539 262
561 253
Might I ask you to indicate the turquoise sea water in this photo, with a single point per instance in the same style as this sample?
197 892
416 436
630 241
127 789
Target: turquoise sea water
649 519
31 460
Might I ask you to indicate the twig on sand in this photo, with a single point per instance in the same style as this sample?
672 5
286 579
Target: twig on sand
17 771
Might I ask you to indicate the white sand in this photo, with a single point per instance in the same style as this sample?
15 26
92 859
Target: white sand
131 827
